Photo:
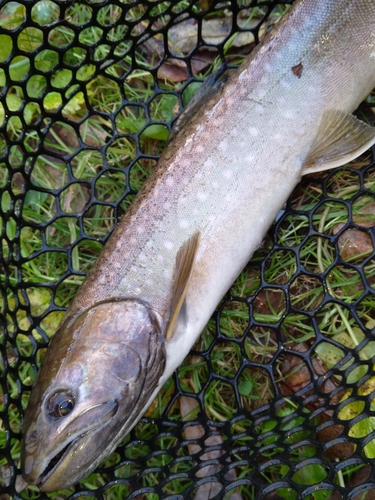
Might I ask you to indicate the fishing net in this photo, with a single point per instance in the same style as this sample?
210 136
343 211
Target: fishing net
276 399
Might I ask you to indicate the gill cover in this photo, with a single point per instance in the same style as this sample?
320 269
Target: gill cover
95 379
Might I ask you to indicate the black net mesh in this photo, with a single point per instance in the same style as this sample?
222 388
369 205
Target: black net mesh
276 400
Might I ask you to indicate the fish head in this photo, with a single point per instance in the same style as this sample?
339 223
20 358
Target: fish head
96 378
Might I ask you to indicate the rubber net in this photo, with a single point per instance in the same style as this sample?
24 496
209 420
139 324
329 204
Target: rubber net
276 400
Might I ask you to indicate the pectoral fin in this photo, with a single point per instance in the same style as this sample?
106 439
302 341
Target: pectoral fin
341 138
182 273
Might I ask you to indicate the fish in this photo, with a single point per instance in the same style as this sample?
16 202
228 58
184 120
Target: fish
217 188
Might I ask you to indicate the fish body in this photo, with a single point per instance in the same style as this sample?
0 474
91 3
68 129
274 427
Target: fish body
193 227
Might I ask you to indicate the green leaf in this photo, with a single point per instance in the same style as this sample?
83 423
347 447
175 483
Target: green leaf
159 132
245 387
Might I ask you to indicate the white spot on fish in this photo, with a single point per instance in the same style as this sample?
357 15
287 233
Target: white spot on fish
288 114
168 245
223 146
167 205
199 131
242 75
216 108
142 257
230 91
140 229
183 223
261 92
209 163
227 174
202 195
253 131
286 84
169 181
249 158
188 141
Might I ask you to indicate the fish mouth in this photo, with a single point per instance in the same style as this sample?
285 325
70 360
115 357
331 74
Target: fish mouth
70 458
59 459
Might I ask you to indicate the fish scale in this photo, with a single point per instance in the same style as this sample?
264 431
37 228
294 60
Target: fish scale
192 228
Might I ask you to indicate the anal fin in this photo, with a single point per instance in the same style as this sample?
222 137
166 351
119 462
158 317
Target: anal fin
341 138
184 265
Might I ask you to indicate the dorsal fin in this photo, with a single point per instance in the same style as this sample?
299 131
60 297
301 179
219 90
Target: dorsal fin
341 138
208 88
185 259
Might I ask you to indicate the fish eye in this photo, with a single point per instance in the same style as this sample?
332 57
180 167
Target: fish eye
60 405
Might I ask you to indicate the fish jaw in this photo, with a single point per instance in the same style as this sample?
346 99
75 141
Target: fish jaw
48 468
106 362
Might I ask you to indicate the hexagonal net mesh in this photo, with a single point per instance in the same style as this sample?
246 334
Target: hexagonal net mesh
276 399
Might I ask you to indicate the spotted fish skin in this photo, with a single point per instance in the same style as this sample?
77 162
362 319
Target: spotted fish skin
224 177
233 166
